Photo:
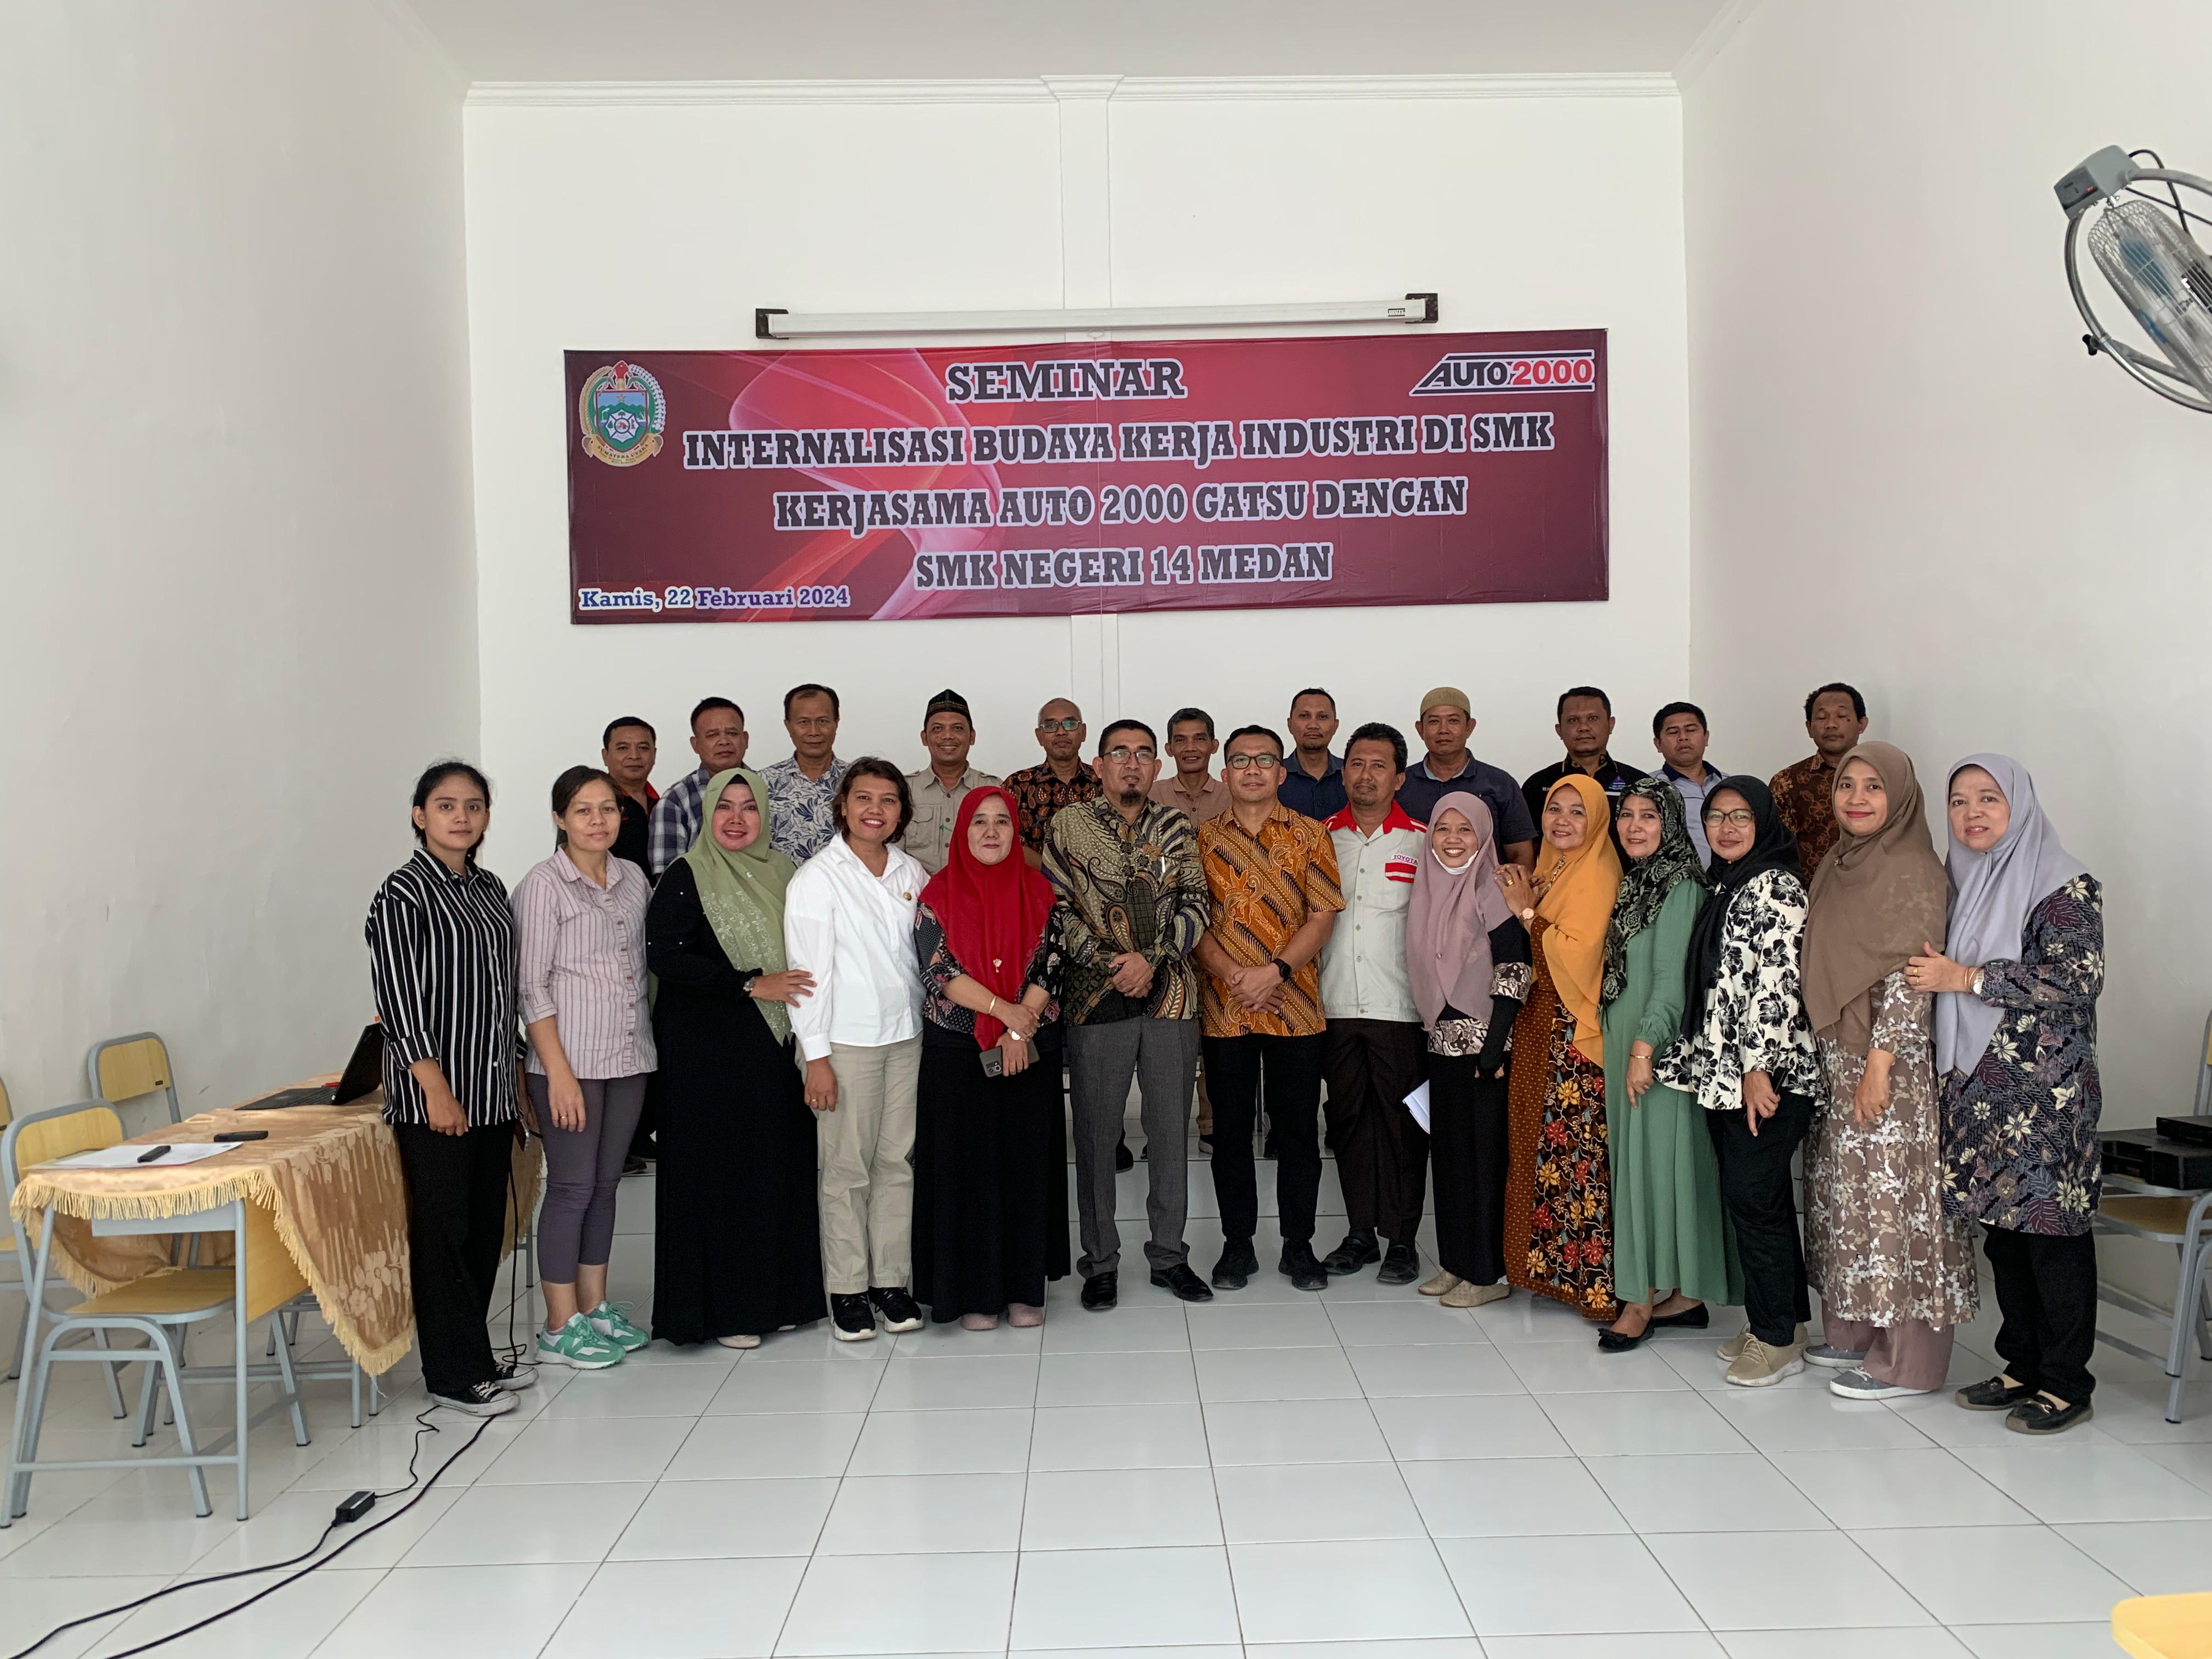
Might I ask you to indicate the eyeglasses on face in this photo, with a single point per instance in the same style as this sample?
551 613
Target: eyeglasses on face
1121 756
1059 725
1741 818
1244 762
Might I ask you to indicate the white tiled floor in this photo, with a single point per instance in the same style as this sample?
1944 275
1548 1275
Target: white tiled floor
1277 1476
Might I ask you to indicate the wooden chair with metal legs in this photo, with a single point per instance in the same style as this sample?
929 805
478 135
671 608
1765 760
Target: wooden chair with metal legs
159 1307
32 1285
123 1068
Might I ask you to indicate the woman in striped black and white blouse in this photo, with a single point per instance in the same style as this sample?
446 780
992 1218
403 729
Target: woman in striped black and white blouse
441 953
581 914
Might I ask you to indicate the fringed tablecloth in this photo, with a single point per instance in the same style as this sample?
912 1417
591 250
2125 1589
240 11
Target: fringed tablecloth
325 1186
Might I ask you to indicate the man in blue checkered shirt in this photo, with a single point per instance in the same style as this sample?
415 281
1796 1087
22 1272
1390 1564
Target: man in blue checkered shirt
719 739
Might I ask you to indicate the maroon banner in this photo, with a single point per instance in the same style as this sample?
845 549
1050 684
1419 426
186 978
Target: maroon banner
1042 480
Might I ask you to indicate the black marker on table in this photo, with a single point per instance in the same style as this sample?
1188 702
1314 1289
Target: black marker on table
158 1152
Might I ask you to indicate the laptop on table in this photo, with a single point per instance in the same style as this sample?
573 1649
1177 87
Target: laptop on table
363 1075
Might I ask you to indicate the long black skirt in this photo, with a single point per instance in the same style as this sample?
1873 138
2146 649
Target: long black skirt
1468 1156
738 1246
990 1183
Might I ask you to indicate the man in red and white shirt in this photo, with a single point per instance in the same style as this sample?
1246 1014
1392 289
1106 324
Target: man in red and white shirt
1375 1049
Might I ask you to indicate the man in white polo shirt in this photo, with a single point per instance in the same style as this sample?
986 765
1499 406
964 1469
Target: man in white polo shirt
1374 1051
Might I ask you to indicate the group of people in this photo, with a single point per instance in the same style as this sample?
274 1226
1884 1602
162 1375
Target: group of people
1604 1008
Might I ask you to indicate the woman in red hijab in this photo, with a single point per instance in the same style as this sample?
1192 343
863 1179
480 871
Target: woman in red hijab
990 1178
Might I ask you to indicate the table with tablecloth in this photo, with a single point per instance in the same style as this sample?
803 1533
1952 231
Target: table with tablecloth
326 1212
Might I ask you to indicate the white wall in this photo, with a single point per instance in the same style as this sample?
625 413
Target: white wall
1522 212
233 451
1907 475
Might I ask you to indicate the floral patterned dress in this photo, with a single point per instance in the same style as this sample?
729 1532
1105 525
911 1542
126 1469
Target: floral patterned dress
2020 1135
1878 1246
1559 1195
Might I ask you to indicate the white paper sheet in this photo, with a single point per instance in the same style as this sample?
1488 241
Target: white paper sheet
1418 1104
126 1157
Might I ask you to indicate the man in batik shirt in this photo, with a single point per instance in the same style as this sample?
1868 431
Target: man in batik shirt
1133 902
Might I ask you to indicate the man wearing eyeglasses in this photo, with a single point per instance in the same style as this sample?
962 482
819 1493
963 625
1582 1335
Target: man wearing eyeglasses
1060 779
1131 904
1271 880
802 791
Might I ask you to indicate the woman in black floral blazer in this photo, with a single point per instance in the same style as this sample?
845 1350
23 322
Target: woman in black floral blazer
2016 1051
1746 1053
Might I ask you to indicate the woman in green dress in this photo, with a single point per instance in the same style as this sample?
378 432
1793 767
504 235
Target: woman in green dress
1672 1250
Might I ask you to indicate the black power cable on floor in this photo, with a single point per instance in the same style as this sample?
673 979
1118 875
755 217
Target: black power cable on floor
358 1505
353 1508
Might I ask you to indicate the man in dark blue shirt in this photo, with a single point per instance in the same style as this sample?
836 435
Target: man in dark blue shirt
1313 778
1446 724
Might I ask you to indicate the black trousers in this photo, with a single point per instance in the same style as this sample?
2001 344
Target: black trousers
457 1187
1468 1141
1233 1066
2047 1292
1382 1155
1755 1187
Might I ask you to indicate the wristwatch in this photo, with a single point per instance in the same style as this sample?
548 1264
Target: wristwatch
1977 981
1282 968
1529 915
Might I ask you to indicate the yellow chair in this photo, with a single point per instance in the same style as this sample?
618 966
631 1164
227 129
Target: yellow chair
2164 1626
23 1270
123 1068
158 1307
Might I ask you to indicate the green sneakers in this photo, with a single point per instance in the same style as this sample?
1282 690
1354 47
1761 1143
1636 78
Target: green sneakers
608 1320
577 1344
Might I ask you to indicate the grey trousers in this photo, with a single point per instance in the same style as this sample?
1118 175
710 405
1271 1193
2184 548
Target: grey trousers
1162 1055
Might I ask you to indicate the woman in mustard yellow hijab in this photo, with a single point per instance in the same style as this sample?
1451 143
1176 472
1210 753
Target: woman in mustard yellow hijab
1558 1212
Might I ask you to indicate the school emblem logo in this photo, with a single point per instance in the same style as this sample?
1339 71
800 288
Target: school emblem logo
621 411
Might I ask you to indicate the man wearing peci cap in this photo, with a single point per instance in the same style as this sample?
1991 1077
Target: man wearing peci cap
948 733
1447 722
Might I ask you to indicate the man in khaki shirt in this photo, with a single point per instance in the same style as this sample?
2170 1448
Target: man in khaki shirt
1192 786
948 733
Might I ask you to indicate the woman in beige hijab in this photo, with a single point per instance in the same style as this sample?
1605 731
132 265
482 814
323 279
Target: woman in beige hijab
1895 1275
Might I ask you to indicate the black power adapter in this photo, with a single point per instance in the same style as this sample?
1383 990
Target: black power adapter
354 1508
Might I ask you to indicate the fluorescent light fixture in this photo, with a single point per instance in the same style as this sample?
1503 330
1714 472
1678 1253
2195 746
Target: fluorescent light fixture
773 322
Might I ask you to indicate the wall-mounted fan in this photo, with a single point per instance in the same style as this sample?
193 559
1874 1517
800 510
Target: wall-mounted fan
2140 241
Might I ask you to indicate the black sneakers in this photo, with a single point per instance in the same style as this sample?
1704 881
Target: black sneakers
1358 1250
1298 1265
515 1378
1237 1264
851 1318
477 1399
898 1310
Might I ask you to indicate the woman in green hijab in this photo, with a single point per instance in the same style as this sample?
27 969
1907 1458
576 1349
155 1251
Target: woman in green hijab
736 1250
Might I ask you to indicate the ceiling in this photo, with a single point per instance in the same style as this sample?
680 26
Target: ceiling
993 39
